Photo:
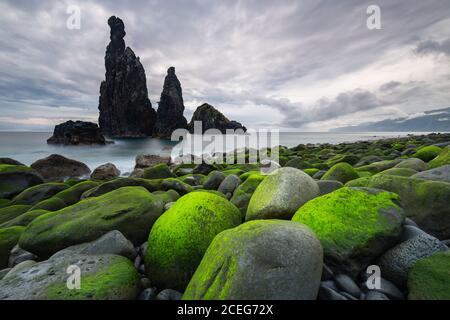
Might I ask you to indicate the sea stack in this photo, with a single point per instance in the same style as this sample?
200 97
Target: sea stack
125 109
212 118
77 133
171 107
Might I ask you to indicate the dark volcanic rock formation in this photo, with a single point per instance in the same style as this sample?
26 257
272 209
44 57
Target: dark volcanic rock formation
76 133
171 107
125 109
212 118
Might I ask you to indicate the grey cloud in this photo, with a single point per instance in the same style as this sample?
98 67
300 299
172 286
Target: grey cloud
433 47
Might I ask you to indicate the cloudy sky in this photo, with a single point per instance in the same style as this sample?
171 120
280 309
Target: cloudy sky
309 65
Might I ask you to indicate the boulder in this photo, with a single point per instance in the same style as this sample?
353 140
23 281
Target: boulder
103 277
130 210
10 162
149 160
177 185
14 179
377 167
24 219
159 171
18 255
150 185
243 193
179 238
436 174
211 118
73 194
12 212
425 202
260 260
428 153
113 242
8 240
403 172
170 108
342 172
77 133
35 194
396 263
413 163
213 180
106 171
429 279
229 184
57 167
441 160
281 194
125 110
328 186
354 225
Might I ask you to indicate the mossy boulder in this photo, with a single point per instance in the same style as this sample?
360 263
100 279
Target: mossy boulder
73 194
52 204
260 260
350 159
441 160
14 179
428 153
150 185
297 163
167 196
24 219
377 167
342 172
213 180
354 225
243 193
425 202
5 203
130 210
8 239
12 212
311 171
160 171
177 185
436 174
280 194
33 195
180 237
429 279
403 172
413 163
103 277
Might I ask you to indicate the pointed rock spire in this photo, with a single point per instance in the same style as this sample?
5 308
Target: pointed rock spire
171 107
125 110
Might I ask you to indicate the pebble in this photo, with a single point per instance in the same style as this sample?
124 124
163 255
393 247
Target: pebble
387 288
169 294
375 295
148 294
345 283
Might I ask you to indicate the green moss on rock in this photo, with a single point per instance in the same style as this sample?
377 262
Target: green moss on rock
403 172
243 193
441 160
35 194
429 279
14 179
8 239
311 171
180 237
428 153
24 219
12 212
342 172
159 171
130 210
353 225
73 194
150 185
52 204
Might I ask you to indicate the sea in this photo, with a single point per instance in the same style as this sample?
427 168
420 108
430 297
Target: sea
28 147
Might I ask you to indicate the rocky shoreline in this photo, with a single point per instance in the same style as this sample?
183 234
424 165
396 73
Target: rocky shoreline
368 220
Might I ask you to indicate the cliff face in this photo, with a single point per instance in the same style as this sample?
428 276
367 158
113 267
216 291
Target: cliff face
212 118
171 107
125 110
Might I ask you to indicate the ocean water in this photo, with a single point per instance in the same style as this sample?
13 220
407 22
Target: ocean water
28 147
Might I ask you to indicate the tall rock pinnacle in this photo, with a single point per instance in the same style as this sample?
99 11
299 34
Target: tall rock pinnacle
171 107
125 109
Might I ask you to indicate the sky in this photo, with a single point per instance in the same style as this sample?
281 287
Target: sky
287 64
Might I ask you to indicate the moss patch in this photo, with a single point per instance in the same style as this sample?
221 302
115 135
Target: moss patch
180 237
428 153
8 239
441 160
342 172
12 212
429 279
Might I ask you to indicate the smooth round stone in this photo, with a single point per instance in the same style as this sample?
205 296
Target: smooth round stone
327 273
410 232
346 284
329 284
326 293
347 295
148 294
169 294
409 222
387 288
375 295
